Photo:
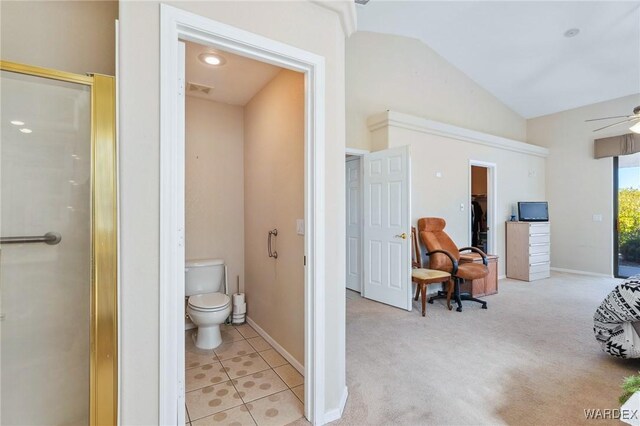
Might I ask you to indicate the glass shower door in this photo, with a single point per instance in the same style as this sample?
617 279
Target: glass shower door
45 284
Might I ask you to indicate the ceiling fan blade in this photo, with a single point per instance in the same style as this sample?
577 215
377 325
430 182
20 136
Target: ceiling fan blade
609 118
619 122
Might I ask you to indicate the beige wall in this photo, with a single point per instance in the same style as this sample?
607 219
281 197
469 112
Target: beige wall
274 198
214 182
442 197
140 180
74 36
578 186
386 72
244 177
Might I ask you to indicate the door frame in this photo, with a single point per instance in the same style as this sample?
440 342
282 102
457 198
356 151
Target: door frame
178 24
616 212
103 362
359 153
492 198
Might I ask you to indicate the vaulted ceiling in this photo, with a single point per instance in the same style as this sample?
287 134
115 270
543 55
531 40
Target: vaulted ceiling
518 50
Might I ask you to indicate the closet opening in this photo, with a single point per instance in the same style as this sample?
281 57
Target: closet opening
482 196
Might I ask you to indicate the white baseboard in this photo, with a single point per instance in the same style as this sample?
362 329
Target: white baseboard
574 271
276 346
502 277
336 413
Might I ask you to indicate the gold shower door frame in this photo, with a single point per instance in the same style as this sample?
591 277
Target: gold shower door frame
103 375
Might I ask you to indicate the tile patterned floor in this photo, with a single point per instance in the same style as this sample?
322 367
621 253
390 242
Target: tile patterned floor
244 381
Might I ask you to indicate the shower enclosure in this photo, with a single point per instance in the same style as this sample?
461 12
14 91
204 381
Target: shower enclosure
58 334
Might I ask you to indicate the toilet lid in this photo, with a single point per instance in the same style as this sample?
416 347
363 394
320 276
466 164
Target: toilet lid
209 301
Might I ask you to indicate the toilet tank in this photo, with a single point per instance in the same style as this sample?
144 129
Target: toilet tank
204 276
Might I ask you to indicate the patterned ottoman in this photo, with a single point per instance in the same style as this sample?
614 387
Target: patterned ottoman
616 322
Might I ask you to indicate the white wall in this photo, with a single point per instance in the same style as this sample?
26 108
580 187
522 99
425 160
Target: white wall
579 186
74 36
519 177
214 183
387 72
307 26
274 198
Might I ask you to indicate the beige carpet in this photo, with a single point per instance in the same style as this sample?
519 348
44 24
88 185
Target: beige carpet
530 359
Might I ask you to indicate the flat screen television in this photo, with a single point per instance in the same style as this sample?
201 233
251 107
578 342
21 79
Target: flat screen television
533 211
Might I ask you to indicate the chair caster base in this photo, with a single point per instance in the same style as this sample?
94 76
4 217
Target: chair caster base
439 295
459 309
484 306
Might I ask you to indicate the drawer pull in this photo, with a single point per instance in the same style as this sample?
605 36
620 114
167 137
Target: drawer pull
538 263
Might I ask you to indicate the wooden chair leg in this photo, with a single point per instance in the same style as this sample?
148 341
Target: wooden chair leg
449 291
423 291
417 291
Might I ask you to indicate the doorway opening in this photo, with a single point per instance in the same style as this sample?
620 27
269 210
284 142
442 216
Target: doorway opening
353 192
244 238
626 202
482 205
176 26
378 225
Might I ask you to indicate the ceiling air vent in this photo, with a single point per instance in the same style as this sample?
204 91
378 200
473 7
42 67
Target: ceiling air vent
198 88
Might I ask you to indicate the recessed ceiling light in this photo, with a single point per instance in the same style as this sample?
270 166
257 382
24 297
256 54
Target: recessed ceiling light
210 58
25 130
572 32
17 123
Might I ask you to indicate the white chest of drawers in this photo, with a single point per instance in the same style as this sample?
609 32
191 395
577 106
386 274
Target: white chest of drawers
528 250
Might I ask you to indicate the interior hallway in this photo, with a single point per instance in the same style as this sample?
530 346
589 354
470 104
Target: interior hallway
531 358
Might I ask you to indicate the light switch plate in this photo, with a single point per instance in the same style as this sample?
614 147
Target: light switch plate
300 226
597 218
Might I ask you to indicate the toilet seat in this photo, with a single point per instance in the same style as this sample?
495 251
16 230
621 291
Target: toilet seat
209 302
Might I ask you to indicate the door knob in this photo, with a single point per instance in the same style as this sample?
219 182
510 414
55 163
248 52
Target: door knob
403 236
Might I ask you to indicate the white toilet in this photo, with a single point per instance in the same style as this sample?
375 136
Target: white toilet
208 305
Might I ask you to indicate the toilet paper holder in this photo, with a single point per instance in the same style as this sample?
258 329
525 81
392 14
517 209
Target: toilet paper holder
272 253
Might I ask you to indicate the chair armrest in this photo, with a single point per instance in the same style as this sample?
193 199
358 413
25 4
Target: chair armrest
476 250
453 260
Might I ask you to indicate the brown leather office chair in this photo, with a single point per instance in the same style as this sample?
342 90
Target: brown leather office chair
444 255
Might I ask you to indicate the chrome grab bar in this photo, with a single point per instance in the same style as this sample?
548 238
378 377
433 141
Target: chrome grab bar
51 238
272 253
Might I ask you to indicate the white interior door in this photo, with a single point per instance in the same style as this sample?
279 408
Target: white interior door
354 224
386 227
